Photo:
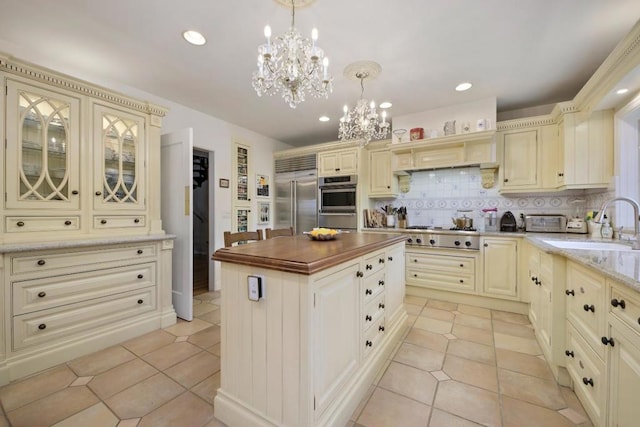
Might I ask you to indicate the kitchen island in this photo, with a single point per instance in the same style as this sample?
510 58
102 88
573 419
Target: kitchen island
328 315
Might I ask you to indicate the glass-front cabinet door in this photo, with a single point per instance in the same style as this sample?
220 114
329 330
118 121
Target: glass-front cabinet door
43 136
119 162
242 187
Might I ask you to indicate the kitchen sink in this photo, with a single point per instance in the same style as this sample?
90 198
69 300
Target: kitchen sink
592 246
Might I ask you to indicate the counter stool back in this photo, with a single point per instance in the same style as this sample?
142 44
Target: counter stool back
241 236
278 232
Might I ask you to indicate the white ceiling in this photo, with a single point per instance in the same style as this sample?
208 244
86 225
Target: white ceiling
525 53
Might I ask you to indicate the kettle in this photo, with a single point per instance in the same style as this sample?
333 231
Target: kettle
508 222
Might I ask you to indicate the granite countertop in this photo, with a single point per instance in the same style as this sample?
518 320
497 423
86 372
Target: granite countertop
299 254
622 266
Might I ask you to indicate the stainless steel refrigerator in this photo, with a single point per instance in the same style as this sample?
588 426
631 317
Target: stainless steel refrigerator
296 200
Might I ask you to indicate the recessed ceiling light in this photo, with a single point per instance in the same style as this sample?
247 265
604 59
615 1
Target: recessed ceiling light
463 86
324 119
386 104
622 91
194 37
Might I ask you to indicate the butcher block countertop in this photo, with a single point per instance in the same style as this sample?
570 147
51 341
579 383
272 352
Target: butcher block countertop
299 254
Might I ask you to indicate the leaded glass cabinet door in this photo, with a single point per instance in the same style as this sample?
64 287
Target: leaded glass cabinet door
119 169
43 137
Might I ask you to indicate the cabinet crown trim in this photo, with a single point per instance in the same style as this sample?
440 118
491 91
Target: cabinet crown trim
33 72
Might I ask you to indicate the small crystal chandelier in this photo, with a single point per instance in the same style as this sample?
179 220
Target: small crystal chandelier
361 124
293 65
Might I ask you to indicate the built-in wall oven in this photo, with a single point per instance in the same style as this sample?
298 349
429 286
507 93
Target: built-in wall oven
337 202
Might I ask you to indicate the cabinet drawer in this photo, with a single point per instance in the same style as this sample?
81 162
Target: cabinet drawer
29 224
440 279
372 337
373 311
112 221
627 306
44 326
374 263
441 263
439 157
585 305
41 294
84 260
373 286
588 374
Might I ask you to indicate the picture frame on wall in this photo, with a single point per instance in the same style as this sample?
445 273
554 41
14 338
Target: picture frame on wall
224 183
262 185
264 212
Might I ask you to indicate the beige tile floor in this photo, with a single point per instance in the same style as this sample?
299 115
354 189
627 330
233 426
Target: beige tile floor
457 366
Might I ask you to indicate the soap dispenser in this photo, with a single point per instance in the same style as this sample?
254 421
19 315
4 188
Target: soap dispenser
606 231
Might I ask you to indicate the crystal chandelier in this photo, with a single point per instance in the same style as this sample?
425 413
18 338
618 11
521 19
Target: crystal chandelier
362 123
293 65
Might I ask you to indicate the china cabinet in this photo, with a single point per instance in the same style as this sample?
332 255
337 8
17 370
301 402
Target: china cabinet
242 174
338 162
84 261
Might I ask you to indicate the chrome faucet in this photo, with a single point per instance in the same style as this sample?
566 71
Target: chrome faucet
636 213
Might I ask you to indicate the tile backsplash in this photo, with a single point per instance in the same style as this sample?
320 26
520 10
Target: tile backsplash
436 195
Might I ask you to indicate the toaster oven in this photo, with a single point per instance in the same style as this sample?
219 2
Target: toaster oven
545 223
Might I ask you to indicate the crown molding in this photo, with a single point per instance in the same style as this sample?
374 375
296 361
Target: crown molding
624 58
526 122
20 68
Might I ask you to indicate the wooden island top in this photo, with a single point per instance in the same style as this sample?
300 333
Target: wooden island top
299 254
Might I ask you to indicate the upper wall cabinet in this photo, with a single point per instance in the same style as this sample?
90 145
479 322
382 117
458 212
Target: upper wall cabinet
585 150
76 158
338 162
382 182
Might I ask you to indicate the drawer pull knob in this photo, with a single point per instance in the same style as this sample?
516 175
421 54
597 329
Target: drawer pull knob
369 267
140 301
42 294
539 283
381 283
587 381
381 305
359 274
67 222
98 193
140 251
608 341
415 274
461 281
74 192
367 318
590 308
461 265
103 221
140 276
20 223
381 328
368 292
41 262
533 278
137 220
621 303
42 326
368 343
390 258
381 261
570 292
569 353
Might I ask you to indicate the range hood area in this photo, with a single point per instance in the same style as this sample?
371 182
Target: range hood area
468 149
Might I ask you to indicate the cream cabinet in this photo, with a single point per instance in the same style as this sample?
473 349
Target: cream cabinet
63 303
382 181
78 160
500 267
443 270
585 150
527 159
338 162
546 275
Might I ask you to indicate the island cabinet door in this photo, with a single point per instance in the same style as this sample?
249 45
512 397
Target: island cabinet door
335 328
395 280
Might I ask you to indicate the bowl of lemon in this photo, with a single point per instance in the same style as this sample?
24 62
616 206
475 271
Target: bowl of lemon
322 234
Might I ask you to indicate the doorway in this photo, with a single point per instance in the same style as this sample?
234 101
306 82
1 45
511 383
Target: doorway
201 221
